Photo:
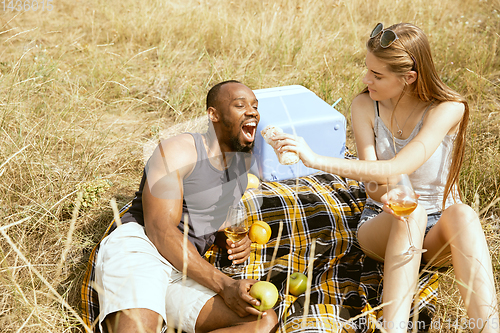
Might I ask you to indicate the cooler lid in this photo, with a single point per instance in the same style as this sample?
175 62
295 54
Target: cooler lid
281 91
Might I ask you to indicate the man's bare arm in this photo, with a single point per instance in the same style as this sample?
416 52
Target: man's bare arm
162 206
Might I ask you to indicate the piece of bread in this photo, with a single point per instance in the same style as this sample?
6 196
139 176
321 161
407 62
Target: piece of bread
285 158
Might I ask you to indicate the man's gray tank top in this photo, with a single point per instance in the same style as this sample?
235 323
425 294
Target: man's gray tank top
208 192
429 179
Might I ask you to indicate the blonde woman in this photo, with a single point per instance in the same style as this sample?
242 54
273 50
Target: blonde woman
407 121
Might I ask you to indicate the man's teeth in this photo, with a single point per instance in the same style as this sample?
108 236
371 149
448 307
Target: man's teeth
249 129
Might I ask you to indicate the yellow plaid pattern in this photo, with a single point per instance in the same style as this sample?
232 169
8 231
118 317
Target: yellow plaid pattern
346 285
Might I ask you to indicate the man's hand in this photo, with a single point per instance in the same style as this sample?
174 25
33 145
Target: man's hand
238 252
237 297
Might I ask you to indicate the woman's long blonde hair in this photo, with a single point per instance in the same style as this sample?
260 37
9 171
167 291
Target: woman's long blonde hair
411 51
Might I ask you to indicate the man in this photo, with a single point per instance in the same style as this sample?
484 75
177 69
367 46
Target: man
190 179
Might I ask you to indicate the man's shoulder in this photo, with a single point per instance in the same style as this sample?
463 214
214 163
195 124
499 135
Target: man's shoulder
180 146
180 139
175 153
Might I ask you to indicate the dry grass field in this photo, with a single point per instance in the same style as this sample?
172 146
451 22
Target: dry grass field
85 85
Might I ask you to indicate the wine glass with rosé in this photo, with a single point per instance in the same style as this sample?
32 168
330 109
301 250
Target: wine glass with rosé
236 228
403 201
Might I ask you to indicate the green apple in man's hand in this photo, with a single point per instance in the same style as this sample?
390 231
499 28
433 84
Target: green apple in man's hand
266 293
298 283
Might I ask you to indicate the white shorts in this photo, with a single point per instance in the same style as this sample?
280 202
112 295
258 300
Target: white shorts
131 273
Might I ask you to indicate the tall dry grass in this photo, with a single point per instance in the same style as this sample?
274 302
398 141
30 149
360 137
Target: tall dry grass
84 86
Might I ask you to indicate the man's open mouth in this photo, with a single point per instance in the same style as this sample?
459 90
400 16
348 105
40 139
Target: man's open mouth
249 128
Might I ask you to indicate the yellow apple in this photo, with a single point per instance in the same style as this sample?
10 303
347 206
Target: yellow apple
298 283
253 181
266 293
260 232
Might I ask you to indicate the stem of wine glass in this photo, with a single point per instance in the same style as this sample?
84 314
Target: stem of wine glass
409 232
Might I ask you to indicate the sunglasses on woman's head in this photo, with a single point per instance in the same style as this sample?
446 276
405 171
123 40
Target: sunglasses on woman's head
388 36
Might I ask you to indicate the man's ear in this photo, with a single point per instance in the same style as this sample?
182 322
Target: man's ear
411 77
213 115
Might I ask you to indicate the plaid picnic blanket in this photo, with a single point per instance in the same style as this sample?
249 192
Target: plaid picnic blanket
323 209
346 286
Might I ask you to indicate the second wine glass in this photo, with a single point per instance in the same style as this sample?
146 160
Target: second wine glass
403 201
235 228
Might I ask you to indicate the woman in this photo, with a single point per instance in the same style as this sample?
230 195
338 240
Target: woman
406 105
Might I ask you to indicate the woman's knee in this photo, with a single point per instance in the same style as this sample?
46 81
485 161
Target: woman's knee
460 216
460 220
419 217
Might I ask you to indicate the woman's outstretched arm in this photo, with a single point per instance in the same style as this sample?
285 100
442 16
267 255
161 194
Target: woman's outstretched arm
441 120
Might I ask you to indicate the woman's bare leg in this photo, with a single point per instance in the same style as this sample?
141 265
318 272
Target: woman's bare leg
459 233
386 237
